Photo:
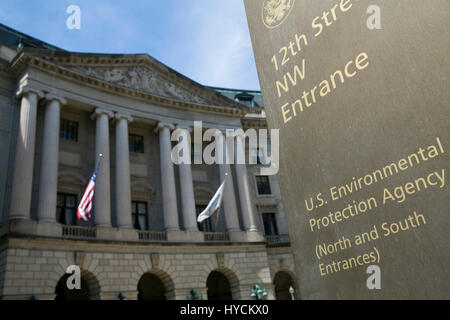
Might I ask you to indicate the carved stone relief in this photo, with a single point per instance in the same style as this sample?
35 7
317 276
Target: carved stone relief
142 79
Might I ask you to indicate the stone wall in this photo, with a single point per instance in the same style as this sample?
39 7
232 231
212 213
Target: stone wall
31 267
282 260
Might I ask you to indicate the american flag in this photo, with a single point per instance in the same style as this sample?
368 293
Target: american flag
85 207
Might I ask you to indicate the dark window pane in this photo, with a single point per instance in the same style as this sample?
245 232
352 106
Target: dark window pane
60 200
58 214
66 209
142 208
71 201
134 218
206 225
139 215
69 130
270 224
136 222
143 222
69 217
136 143
263 185
245 98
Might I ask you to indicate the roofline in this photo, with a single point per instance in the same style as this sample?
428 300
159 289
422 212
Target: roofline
235 90
136 56
48 46
22 35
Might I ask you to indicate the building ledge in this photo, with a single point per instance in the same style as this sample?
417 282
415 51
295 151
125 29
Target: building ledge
279 240
34 229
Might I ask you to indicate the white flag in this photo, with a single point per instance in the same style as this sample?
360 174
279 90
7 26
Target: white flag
213 205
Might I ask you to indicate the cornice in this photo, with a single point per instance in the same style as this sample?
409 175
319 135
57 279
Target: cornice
162 125
127 117
50 97
255 123
100 111
25 87
49 65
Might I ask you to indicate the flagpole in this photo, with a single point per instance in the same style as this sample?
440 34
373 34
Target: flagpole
218 213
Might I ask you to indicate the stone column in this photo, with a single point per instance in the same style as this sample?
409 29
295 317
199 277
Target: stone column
187 185
123 184
24 158
102 195
48 184
169 194
229 199
248 214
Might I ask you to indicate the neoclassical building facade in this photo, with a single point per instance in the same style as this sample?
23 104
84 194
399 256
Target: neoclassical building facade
58 111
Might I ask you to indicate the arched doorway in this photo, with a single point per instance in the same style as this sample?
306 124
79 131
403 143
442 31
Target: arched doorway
222 284
155 285
218 286
90 288
283 281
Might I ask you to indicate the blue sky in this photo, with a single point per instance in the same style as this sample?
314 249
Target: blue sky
206 40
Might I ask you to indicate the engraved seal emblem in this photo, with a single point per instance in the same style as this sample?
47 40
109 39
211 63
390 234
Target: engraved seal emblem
275 12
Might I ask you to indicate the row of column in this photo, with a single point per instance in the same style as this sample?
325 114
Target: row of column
187 186
102 200
23 170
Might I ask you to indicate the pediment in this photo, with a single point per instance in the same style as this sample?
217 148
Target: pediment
141 78
137 72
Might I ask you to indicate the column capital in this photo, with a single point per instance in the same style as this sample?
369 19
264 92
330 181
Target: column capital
162 125
100 111
127 117
27 89
51 97
183 127
219 132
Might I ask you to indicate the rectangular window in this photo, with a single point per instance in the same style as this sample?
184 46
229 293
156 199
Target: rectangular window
263 185
205 226
136 143
270 224
66 209
69 130
140 214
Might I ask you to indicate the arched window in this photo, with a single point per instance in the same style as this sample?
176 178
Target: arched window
245 98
